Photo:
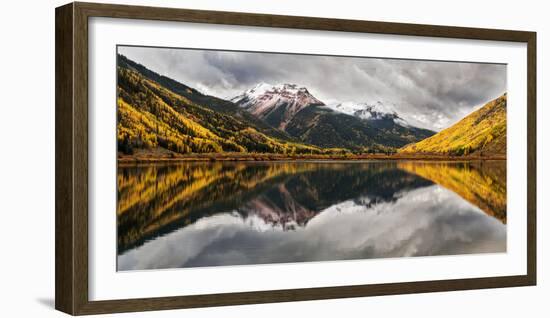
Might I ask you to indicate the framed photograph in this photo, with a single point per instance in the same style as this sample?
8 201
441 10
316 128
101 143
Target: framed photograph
211 158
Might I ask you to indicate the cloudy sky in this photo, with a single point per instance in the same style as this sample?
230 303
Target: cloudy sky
428 94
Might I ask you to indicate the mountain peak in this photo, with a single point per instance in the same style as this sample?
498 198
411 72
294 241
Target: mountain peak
370 111
276 104
259 89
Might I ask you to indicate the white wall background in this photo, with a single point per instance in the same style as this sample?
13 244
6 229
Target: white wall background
27 158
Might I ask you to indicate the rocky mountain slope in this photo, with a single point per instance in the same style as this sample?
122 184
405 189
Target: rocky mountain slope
277 104
295 111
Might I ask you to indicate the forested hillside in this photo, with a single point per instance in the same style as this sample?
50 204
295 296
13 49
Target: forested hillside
151 116
160 116
483 132
293 109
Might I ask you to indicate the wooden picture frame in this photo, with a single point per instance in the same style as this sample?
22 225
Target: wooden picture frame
71 122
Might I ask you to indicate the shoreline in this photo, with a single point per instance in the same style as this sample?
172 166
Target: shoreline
150 158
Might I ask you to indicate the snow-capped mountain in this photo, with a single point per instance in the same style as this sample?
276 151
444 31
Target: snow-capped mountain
276 104
370 111
293 110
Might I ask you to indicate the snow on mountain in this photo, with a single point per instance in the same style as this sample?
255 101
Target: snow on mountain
255 91
369 111
277 104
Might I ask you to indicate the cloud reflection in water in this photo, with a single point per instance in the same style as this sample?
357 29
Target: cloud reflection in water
429 220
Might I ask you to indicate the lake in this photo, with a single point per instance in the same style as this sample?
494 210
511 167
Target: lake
194 214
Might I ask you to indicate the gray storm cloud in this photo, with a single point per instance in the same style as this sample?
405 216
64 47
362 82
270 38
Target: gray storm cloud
430 94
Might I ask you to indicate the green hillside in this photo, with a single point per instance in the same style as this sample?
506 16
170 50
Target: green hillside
321 126
483 132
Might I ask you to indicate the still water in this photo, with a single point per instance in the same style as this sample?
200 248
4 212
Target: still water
234 213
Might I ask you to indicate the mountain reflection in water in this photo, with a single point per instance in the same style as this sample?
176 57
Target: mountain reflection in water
233 213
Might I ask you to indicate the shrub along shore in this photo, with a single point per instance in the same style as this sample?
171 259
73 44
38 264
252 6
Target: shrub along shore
169 157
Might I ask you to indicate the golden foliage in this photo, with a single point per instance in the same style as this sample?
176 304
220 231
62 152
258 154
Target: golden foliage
151 116
153 196
482 183
481 132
